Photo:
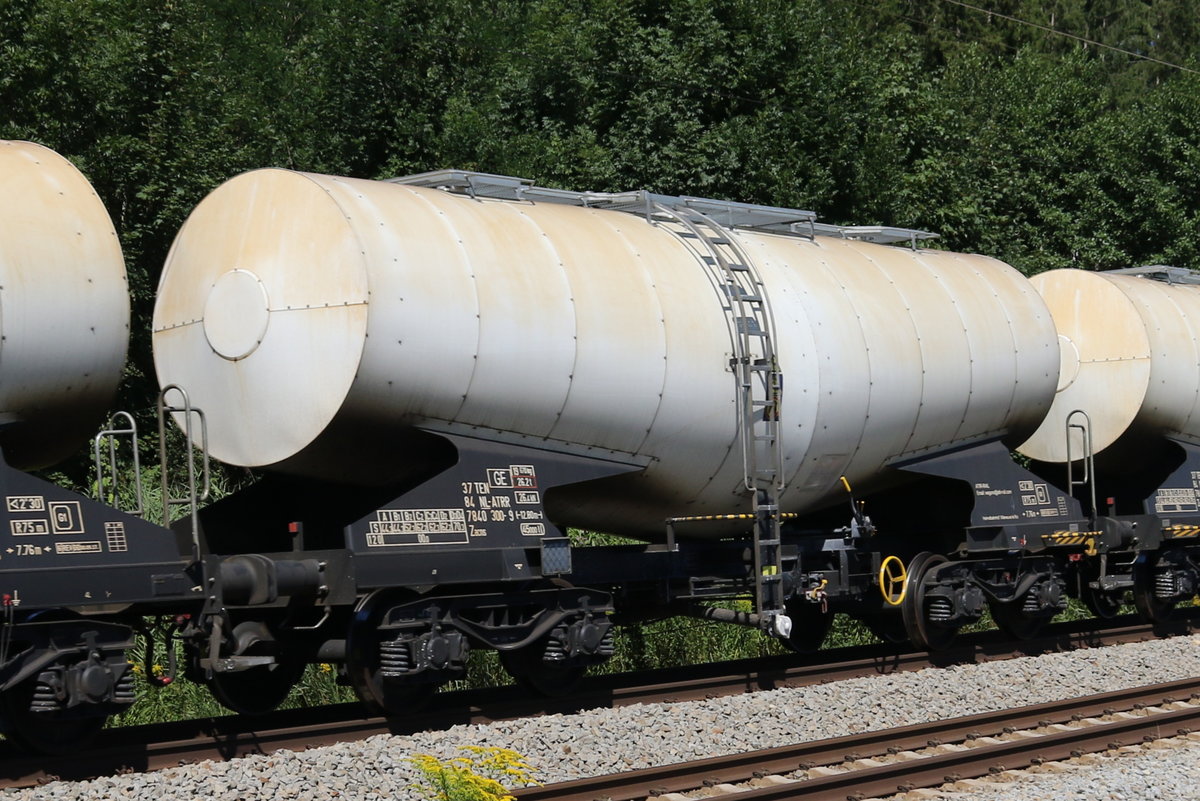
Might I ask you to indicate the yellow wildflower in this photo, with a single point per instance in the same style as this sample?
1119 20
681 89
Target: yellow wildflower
471 778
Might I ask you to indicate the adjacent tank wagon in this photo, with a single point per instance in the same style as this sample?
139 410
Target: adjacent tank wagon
71 568
64 306
1126 421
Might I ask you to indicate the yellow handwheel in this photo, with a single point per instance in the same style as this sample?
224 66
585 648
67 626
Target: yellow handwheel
893 580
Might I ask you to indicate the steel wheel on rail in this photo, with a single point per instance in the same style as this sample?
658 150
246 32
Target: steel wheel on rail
923 632
48 731
45 732
887 625
364 668
257 690
1145 578
1009 618
1103 605
810 625
534 673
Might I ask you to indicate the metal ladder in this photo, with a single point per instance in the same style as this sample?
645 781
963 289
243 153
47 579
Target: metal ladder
759 389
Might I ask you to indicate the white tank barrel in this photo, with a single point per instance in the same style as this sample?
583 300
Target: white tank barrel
1130 359
64 306
313 318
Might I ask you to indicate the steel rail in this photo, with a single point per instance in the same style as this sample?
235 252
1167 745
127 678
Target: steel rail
153 747
918 771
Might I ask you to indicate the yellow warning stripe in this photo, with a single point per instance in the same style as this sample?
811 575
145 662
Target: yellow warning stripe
1182 532
1070 537
1085 538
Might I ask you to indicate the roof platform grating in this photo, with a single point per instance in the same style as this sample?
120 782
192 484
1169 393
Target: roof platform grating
728 213
1161 272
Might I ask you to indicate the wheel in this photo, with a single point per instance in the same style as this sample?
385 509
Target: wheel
922 632
888 626
1103 605
810 626
45 732
363 670
1149 606
536 674
1011 621
256 691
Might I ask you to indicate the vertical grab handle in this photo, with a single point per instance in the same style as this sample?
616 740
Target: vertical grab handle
1089 466
110 435
193 498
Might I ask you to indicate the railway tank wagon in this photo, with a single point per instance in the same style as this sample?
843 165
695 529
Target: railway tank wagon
439 373
64 306
1126 422
69 566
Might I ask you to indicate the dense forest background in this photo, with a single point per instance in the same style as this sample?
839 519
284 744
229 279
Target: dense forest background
1049 134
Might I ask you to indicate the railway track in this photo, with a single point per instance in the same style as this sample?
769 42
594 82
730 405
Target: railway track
890 761
143 748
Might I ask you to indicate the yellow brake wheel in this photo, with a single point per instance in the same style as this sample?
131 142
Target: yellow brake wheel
893 580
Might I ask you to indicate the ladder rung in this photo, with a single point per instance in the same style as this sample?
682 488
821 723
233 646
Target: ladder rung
748 325
739 292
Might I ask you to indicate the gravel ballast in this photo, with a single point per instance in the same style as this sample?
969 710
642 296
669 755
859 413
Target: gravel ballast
1168 769
562 747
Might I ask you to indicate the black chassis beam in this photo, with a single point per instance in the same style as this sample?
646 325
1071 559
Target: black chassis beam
654 579
652 563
